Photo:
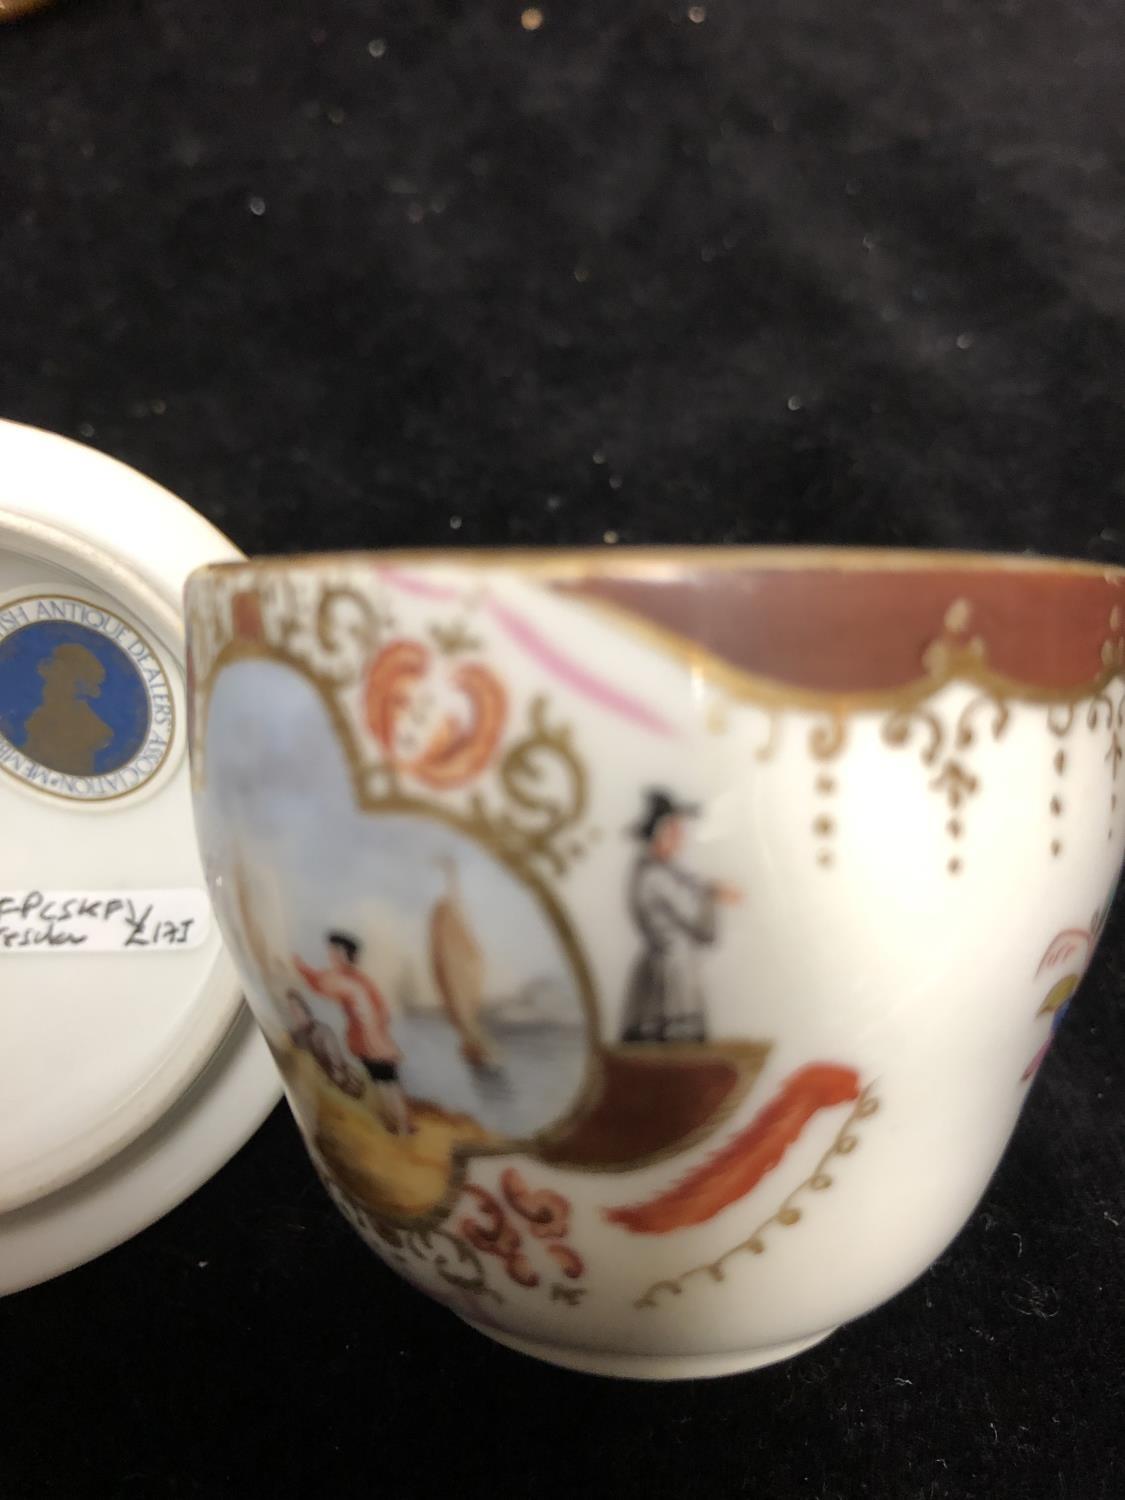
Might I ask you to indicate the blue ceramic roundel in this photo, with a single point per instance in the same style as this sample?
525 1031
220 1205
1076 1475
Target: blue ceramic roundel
85 706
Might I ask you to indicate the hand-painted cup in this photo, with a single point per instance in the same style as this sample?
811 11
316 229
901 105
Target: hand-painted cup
657 947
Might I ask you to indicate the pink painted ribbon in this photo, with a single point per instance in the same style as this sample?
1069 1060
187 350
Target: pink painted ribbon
546 655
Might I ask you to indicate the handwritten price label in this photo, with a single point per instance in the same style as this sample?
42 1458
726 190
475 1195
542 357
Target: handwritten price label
102 921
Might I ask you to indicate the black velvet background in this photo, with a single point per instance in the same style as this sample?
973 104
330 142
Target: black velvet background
800 270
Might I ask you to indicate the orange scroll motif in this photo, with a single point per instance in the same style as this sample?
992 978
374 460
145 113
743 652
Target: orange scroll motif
457 747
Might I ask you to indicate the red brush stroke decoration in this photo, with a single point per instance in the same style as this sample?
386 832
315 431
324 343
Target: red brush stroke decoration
547 1213
497 1237
459 748
391 679
1065 945
755 1151
570 1262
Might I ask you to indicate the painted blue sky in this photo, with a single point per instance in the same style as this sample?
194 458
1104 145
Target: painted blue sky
277 779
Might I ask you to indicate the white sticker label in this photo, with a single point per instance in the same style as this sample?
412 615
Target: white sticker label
34 921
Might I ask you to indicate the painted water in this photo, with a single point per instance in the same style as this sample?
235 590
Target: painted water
542 1067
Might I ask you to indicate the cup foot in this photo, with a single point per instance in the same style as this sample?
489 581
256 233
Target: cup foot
653 1366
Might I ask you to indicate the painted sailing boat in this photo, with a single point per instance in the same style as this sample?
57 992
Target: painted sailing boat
458 964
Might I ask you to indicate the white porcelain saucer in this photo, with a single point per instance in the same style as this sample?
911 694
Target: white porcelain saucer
126 1077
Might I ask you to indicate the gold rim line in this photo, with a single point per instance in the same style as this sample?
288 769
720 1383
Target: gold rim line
955 662
579 562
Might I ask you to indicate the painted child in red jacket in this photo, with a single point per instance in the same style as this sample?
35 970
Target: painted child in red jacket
368 1034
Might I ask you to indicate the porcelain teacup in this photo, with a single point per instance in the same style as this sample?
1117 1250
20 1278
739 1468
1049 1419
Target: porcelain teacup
657 946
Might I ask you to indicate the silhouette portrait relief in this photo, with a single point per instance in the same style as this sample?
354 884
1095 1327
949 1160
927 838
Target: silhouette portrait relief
64 732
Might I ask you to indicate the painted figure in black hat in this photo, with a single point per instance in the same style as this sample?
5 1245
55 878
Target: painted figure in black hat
677 914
